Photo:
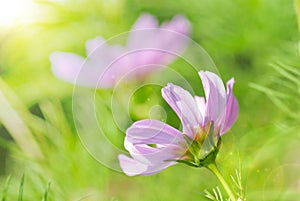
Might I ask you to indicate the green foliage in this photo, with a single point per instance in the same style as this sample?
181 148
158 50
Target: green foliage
216 195
237 180
21 189
4 191
283 88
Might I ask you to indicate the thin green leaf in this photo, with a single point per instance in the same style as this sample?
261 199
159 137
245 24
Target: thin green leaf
20 198
5 189
285 74
45 196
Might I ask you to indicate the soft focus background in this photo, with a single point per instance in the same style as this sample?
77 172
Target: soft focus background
254 41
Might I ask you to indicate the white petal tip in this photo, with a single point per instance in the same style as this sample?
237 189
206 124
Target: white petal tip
130 166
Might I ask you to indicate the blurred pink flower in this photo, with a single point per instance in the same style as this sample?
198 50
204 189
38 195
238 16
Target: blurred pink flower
201 120
149 47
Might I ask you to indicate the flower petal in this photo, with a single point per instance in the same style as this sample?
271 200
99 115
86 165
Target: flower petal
200 101
182 102
178 24
130 166
169 143
144 28
215 95
154 156
66 66
92 44
153 132
158 168
231 108
172 37
102 69
106 64
161 43
156 159
145 21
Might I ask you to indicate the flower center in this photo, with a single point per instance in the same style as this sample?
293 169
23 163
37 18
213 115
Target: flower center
203 149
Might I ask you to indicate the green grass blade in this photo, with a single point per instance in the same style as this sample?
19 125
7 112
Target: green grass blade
286 74
5 189
20 198
45 196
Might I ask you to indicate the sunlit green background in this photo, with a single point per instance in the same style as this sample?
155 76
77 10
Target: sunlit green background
254 41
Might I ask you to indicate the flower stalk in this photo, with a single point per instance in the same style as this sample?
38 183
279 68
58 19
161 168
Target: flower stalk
214 169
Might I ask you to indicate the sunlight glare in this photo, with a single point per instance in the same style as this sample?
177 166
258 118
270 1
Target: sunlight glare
15 11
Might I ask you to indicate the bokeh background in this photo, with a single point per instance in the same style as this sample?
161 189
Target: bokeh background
254 41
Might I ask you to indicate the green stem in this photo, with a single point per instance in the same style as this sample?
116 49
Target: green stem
297 8
214 169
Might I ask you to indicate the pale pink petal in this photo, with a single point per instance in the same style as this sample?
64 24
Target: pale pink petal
66 66
155 155
154 46
155 159
167 140
130 166
215 95
145 21
231 108
157 168
102 53
182 102
102 68
173 37
143 32
106 64
178 24
200 101
92 44
168 144
145 51
153 132
145 61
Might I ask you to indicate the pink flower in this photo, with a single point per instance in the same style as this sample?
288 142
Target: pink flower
203 121
149 46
